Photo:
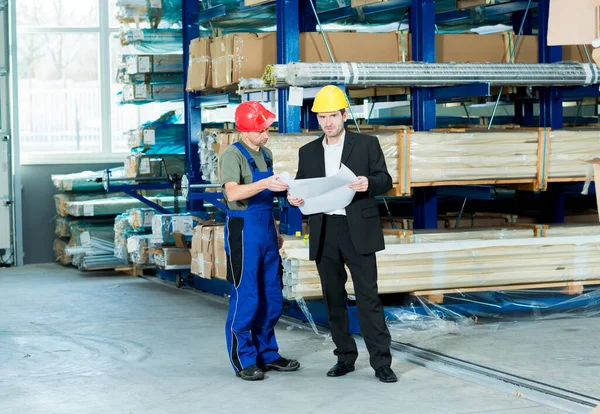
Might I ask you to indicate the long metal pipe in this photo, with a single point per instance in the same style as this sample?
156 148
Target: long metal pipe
432 74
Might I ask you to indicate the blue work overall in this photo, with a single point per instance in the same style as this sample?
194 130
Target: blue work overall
253 268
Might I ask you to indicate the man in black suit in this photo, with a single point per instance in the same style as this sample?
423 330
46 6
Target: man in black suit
349 236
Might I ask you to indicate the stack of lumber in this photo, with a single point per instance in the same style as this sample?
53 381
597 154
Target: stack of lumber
466 259
414 159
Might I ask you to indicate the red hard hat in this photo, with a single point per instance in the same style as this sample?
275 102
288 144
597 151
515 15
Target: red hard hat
251 116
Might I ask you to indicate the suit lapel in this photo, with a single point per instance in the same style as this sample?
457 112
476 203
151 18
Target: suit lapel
320 158
348 145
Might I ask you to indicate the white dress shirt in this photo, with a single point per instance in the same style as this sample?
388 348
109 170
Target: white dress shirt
333 161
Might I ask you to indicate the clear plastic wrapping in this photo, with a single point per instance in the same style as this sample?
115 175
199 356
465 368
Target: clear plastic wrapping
144 64
137 249
164 225
138 165
153 41
122 232
82 182
153 12
465 259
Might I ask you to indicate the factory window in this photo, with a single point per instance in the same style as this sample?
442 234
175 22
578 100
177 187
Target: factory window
67 53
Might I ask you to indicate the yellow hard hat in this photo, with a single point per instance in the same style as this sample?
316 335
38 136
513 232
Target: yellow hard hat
330 99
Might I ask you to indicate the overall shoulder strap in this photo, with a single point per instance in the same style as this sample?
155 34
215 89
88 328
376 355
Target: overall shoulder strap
246 154
266 157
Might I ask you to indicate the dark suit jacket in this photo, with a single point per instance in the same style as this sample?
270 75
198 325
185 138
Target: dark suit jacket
362 154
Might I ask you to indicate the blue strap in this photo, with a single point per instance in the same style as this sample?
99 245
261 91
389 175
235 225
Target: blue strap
248 157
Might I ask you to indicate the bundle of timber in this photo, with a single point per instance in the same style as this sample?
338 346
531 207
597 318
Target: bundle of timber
467 259
529 158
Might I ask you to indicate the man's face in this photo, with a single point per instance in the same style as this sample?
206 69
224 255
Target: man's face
258 138
332 123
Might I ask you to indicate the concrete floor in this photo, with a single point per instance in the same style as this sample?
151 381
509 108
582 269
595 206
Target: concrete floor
100 343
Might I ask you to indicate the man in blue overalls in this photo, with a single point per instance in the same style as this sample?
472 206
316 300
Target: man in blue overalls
252 243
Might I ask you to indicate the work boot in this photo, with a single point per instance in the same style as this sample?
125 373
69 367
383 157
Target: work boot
252 373
282 364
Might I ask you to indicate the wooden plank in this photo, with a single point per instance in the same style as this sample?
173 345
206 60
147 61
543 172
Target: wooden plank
543 150
474 182
566 180
506 287
469 4
361 3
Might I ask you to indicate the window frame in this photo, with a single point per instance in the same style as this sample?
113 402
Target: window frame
105 32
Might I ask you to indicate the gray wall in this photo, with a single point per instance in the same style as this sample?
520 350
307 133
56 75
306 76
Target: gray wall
39 210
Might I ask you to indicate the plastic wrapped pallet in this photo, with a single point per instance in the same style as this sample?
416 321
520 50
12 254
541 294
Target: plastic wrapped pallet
164 225
465 264
82 232
60 247
122 228
136 64
62 227
140 165
137 248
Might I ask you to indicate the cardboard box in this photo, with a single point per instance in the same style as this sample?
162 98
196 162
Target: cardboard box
572 22
199 65
220 257
245 55
351 47
475 48
172 257
241 55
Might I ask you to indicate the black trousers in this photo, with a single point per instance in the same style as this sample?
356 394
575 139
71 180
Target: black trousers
335 251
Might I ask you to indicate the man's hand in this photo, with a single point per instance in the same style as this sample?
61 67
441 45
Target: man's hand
275 184
294 201
280 241
361 185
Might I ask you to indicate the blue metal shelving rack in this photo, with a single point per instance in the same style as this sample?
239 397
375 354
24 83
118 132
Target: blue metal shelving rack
295 16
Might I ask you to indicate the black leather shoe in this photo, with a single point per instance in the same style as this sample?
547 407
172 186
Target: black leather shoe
252 373
282 364
385 374
339 369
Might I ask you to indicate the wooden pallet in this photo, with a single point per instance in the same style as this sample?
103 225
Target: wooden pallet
569 288
135 269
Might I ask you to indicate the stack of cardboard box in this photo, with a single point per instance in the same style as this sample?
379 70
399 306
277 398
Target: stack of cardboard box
208 251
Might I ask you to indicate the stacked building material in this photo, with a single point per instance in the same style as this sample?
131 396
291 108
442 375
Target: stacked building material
414 159
466 259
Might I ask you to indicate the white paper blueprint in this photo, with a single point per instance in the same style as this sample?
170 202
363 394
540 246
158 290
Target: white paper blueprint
322 195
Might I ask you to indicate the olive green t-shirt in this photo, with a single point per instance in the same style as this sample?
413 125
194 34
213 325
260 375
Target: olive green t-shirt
235 168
